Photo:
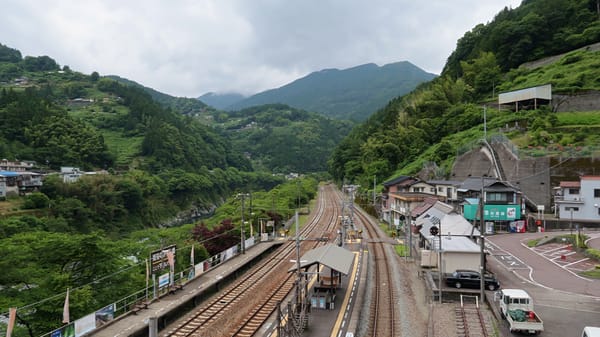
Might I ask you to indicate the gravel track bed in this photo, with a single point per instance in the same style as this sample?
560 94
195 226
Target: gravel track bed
415 312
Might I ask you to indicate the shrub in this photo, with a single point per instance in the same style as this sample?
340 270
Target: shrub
36 200
593 253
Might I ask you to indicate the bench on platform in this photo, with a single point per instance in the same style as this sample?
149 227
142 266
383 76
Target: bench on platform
140 305
175 287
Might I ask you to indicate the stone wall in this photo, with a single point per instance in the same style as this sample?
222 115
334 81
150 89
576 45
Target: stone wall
584 101
531 176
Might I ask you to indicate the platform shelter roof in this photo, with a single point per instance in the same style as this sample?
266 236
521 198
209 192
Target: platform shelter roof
332 256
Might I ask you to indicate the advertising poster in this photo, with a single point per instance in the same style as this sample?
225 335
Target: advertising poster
85 324
199 269
105 315
65 331
163 280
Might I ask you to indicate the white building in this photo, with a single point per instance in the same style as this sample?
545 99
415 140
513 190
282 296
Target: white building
70 174
578 200
458 252
458 239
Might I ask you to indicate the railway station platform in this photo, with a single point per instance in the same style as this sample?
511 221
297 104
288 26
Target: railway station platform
342 319
167 309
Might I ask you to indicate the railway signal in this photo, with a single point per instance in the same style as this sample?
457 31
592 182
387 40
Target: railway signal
434 230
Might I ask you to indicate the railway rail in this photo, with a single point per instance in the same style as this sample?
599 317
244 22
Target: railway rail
237 310
383 318
470 320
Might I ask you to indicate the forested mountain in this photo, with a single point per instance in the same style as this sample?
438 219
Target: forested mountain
282 139
353 93
167 162
184 105
431 124
221 101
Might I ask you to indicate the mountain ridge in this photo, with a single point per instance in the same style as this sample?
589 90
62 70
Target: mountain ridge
220 101
352 93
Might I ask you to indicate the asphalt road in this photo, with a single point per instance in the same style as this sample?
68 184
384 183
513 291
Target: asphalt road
565 301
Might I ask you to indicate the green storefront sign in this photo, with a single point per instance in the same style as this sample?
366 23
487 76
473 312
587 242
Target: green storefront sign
493 212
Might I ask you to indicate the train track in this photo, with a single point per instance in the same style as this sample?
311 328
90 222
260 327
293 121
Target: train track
383 318
237 310
470 321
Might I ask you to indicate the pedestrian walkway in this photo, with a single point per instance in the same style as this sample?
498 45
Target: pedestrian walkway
168 308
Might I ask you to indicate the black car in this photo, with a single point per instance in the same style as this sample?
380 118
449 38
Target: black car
471 279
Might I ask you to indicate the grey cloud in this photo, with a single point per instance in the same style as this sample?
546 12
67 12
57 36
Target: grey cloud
189 47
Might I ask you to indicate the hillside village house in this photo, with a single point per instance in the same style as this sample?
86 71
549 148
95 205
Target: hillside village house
70 174
503 206
578 200
19 183
400 198
405 198
448 189
16 166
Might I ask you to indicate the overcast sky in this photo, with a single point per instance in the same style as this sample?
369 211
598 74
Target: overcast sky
190 47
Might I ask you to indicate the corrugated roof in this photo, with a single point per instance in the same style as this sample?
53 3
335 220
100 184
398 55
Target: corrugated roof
489 184
474 183
9 174
427 203
455 244
539 92
395 181
568 184
330 255
452 223
445 182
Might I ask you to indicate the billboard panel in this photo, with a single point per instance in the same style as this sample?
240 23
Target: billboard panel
159 259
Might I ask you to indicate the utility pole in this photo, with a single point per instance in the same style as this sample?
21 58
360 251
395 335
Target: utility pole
484 122
571 223
243 196
482 239
441 274
374 186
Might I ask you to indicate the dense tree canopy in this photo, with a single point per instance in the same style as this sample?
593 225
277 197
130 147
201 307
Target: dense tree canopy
535 29
282 139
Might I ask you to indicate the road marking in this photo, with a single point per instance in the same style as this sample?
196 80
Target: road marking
341 321
558 248
566 265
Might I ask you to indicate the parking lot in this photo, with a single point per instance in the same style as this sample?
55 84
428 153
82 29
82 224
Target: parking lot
565 300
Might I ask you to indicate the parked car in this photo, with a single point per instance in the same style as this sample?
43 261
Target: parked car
471 279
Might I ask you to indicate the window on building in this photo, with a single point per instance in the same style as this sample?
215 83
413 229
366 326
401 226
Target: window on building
596 192
496 197
440 189
432 190
574 209
573 191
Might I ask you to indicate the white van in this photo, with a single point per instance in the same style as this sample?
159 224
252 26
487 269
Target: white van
590 331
